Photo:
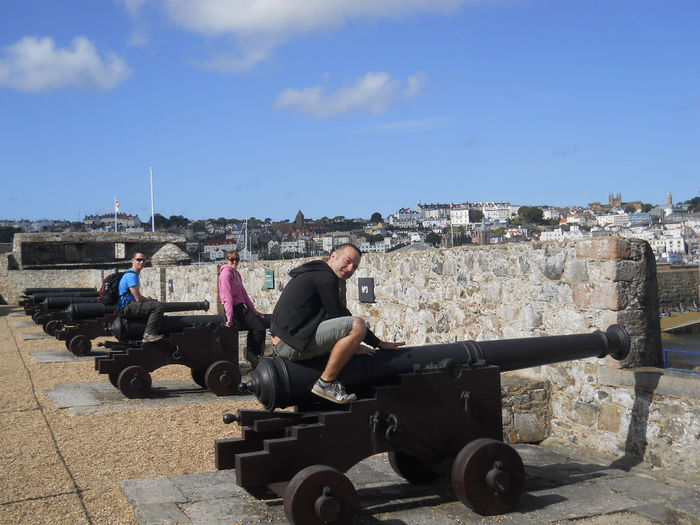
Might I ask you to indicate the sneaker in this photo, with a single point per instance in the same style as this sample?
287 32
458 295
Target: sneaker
333 391
149 338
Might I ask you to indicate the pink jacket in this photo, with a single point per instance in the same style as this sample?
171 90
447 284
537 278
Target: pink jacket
232 291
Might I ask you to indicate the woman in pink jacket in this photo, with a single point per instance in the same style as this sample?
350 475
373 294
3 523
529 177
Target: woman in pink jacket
240 308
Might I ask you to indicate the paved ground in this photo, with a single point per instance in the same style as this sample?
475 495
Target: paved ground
74 450
559 489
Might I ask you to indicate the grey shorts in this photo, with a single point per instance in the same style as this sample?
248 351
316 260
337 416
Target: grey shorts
327 334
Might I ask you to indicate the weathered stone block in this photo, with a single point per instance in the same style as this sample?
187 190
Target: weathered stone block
604 248
576 270
598 295
530 427
610 418
631 270
584 413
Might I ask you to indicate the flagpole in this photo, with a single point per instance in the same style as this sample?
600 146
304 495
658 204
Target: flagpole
153 216
116 209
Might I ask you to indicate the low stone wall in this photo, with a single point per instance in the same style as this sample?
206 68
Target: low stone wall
679 286
14 282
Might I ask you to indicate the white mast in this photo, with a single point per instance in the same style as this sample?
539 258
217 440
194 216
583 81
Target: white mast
153 216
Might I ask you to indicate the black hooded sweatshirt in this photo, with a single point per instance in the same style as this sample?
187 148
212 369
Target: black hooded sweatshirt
309 298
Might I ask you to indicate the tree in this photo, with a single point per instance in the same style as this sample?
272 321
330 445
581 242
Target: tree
475 215
7 234
376 217
433 239
531 214
694 204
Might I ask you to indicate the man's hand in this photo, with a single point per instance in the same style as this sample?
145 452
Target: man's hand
229 324
365 349
388 345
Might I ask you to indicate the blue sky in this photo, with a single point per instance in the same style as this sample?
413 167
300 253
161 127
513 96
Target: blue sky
344 107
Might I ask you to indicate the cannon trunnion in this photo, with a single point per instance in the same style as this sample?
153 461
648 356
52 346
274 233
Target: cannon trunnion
436 411
203 343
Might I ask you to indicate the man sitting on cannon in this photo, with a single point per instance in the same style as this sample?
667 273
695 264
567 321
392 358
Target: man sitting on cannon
133 305
310 320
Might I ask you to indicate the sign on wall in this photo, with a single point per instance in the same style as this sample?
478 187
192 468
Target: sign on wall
366 289
269 279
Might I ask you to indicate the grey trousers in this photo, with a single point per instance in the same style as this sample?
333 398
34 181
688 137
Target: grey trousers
150 310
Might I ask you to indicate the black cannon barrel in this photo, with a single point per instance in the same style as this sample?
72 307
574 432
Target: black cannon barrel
62 301
75 311
279 383
126 330
32 291
38 298
186 306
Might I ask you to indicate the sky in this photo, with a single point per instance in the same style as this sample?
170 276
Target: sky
261 108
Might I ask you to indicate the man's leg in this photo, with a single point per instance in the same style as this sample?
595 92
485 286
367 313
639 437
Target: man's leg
155 316
151 311
256 326
344 349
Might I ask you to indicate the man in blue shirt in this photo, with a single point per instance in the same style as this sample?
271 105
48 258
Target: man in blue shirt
133 305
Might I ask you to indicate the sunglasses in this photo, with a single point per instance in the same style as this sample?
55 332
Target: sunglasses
139 259
237 259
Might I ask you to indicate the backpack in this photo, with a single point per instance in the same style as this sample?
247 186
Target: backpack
109 291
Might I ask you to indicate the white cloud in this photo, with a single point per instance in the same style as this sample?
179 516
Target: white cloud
134 7
35 64
259 26
374 93
139 34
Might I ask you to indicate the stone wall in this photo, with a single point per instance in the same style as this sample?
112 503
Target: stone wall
103 249
679 285
13 282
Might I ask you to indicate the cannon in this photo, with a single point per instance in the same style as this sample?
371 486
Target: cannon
83 322
50 314
201 342
32 291
435 409
29 292
32 304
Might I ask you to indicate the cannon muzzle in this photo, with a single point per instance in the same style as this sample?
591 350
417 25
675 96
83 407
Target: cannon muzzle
279 383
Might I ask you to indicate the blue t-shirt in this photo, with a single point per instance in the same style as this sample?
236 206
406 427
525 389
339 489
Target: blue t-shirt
129 279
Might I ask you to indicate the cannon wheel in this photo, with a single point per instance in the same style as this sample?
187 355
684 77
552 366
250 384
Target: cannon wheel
411 468
488 476
51 327
320 494
80 345
35 317
198 377
222 378
114 378
134 382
